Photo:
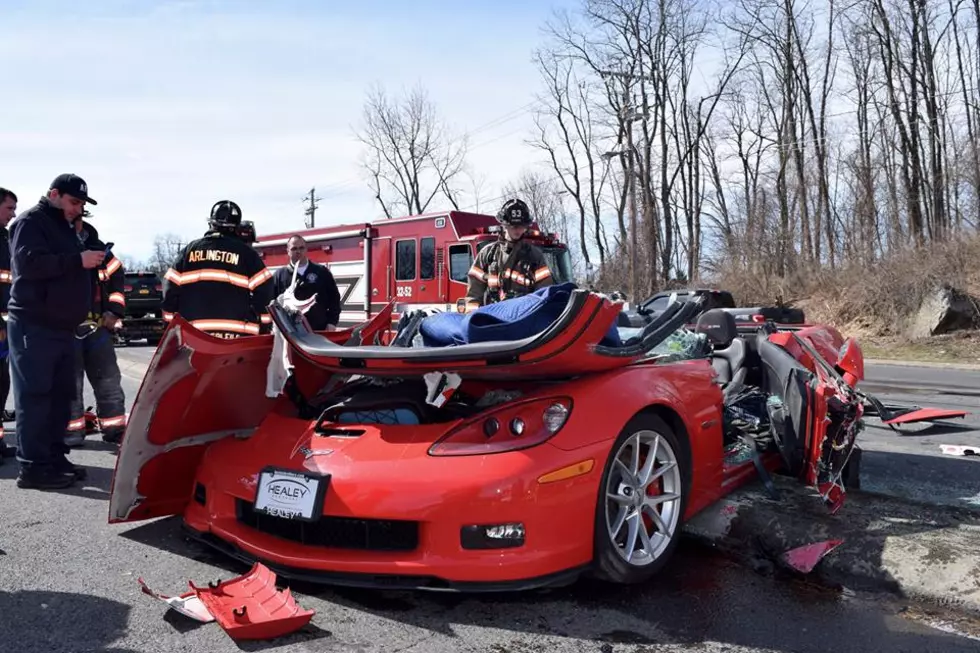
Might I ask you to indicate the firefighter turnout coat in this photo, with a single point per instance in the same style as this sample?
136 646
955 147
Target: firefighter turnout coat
504 270
221 286
109 285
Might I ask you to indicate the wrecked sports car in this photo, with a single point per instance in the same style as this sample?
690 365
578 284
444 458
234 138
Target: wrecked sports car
514 447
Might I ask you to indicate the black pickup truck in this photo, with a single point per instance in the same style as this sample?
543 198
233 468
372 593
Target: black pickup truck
144 308
722 299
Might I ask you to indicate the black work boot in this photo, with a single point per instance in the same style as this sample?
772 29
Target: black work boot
65 466
113 437
48 478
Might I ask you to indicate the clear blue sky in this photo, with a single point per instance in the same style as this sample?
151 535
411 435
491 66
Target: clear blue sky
166 107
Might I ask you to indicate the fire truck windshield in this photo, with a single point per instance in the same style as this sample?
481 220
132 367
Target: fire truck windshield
558 259
560 263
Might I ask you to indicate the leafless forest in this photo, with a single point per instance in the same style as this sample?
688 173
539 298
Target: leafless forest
763 143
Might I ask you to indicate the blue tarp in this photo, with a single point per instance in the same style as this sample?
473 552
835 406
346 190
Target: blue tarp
509 320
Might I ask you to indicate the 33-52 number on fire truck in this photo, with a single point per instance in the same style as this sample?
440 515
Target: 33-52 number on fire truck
404 291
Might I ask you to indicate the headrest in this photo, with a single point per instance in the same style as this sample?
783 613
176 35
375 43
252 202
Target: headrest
719 326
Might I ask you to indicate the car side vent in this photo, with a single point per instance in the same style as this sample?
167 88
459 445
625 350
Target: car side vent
331 431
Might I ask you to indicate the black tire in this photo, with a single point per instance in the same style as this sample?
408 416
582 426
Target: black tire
153 342
609 564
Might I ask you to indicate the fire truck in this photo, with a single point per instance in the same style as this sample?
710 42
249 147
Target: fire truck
419 262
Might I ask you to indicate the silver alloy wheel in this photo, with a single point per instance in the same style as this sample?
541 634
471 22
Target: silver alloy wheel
643 498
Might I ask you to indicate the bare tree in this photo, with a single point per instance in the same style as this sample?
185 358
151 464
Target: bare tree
567 134
545 197
132 264
411 157
833 133
166 248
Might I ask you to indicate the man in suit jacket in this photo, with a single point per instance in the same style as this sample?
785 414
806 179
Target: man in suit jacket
310 278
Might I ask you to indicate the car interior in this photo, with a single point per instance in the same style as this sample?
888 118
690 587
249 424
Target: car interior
764 387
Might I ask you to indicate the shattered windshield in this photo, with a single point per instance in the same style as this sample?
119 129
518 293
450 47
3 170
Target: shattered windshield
681 345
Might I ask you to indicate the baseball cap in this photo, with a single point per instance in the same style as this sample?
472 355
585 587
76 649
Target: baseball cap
72 185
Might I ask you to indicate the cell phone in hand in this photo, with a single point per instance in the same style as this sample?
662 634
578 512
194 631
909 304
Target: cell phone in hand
108 248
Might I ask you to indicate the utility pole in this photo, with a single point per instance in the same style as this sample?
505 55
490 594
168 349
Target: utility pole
629 116
311 209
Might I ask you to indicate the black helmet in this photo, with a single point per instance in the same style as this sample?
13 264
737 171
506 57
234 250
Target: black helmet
225 214
514 213
246 231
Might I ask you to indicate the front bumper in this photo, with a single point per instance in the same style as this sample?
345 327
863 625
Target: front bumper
389 581
441 496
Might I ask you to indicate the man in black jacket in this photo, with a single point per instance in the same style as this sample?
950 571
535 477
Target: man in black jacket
310 278
49 298
8 209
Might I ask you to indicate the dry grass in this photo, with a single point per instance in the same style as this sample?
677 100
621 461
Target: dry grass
959 347
869 301
875 302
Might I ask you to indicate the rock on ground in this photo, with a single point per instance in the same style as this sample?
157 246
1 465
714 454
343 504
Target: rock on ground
943 310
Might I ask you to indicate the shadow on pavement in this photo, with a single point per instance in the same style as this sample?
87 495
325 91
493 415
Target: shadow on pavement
166 535
943 480
309 633
55 622
700 598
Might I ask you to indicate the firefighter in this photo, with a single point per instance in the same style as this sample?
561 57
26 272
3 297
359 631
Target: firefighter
510 267
95 351
8 209
219 283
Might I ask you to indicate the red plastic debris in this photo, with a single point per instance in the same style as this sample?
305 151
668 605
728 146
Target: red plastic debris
803 559
926 415
187 604
833 496
250 606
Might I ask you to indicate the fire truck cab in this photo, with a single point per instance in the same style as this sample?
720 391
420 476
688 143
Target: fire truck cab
417 261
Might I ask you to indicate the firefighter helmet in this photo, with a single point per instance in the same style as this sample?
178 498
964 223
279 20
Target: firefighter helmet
225 214
514 213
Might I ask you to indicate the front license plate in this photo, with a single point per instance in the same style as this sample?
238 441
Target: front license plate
290 495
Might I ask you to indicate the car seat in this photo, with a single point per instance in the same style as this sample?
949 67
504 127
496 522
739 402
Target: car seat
728 353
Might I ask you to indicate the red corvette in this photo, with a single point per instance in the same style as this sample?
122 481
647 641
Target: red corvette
503 464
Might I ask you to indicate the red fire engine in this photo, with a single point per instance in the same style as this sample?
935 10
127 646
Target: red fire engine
418 261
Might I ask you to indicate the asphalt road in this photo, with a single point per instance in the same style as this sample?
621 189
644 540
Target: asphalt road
909 462
68 582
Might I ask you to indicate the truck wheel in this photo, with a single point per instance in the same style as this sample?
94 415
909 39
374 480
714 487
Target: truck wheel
153 342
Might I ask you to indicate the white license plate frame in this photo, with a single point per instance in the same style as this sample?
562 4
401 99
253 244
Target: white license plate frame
288 494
